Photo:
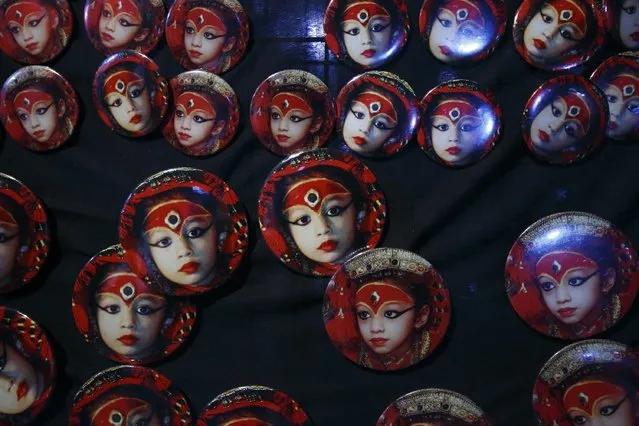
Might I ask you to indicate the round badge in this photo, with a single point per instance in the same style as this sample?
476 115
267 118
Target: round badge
461 123
130 94
386 309
292 111
253 405
207 34
34 31
366 34
184 230
129 395
319 207
565 120
205 114
594 382
460 31
558 34
618 78
25 234
379 113
572 275
623 21
39 108
28 368
437 407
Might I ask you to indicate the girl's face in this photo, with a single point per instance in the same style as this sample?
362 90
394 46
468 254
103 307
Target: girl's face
38 113
18 381
457 31
182 240
367 32
561 124
194 119
31 25
291 119
629 23
369 122
120 23
595 402
456 131
623 102
321 218
127 96
205 36
125 411
9 244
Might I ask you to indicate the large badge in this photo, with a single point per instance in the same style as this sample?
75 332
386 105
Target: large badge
622 21
572 275
319 207
386 309
184 230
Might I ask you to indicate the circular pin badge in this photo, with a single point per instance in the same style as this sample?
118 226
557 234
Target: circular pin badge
462 31
320 188
28 368
379 113
208 34
129 395
590 382
618 78
38 108
461 123
25 234
558 34
366 34
292 111
189 208
436 407
34 31
253 405
572 275
622 21
130 94
392 290
565 120
205 114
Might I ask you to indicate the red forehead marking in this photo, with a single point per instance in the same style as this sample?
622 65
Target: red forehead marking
577 109
363 12
172 215
376 295
312 193
465 10
120 81
125 285
192 101
584 396
116 412
123 6
455 109
627 85
571 12
377 104
18 12
201 18
287 102
7 219
27 99
557 263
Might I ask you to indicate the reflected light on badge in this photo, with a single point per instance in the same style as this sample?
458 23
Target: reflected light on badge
315 24
553 235
469 48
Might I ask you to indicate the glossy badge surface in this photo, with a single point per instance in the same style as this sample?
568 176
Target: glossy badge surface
34 31
622 19
378 113
594 382
565 120
129 395
205 114
461 123
366 34
458 31
27 368
318 207
253 406
24 232
572 275
38 108
207 34
292 111
130 94
184 230
558 34
386 309
125 318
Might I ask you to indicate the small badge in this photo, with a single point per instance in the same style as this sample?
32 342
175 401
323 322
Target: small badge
622 21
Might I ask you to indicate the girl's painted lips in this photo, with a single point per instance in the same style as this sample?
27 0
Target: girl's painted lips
23 390
543 136
107 37
190 268
378 341
539 43
328 246
369 53
359 141
566 312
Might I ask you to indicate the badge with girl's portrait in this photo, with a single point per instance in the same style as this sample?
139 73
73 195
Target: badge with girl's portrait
622 21
122 316
115 25
292 111
386 309
378 113
34 31
208 34
565 120
462 31
366 34
594 382
129 395
461 123
38 108
205 114
319 207
253 406
572 275
24 234
433 407
130 94
27 366
184 231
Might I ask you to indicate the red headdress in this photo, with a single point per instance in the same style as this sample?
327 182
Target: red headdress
584 396
377 104
192 101
28 98
18 12
287 102
7 219
375 296
627 85
572 13
127 286
120 81
312 193
577 109
117 7
557 263
173 215
363 12
465 10
455 109
202 17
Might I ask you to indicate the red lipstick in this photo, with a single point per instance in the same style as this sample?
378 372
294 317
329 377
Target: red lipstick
359 141
107 37
328 246
453 150
128 340
38 134
378 341
635 36
195 54
539 43
190 268
369 53
566 312
184 136
543 136
23 390
445 50
135 119
282 138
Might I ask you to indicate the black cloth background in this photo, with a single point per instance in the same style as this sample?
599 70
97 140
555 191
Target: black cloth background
265 327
